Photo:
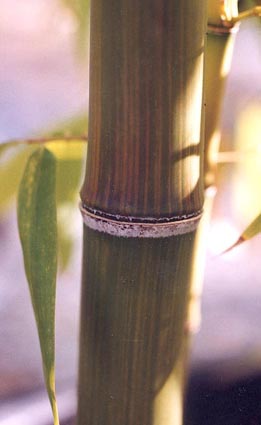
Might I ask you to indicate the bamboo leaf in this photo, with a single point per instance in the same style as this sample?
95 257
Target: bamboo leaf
67 214
252 230
74 127
70 159
70 156
3 147
67 141
38 234
68 183
12 162
80 10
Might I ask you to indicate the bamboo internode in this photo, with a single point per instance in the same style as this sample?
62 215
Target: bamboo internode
146 76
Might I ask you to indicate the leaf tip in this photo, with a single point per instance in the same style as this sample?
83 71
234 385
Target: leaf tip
239 241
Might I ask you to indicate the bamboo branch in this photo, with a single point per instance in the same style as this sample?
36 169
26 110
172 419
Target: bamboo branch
237 156
250 13
43 140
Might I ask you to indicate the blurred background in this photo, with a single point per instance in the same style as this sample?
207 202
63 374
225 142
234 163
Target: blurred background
43 89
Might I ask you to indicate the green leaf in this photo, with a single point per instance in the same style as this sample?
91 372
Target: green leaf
70 161
70 154
38 234
70 158
12 162
80 9
252 230
66 214
77 126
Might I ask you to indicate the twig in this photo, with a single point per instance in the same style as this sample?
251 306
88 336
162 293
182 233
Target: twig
253 12
43 140
235 156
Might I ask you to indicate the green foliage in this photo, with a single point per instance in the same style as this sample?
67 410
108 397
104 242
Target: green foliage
70 157
12 162
80 9
70 160
246 4
253 229
70 154
49 185
74 127
38 234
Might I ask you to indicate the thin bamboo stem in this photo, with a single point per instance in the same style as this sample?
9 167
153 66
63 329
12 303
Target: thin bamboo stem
220 41
250 13
222 28
220 44
43 140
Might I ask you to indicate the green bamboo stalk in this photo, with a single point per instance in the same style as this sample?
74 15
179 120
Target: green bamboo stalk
223 24
223 19
141 57
221 34
141 202
133 320
220 43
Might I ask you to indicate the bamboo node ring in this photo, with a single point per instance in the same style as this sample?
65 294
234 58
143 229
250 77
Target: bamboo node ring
139 227
221 29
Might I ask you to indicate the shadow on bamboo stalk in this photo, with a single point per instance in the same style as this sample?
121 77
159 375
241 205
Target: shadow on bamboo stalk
143 177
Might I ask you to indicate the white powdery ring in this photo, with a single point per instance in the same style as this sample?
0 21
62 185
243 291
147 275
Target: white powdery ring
136 229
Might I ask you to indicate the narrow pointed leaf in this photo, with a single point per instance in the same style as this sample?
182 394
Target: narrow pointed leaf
38 234
252 230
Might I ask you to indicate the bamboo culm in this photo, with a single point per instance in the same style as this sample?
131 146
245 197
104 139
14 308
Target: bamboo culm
144 166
